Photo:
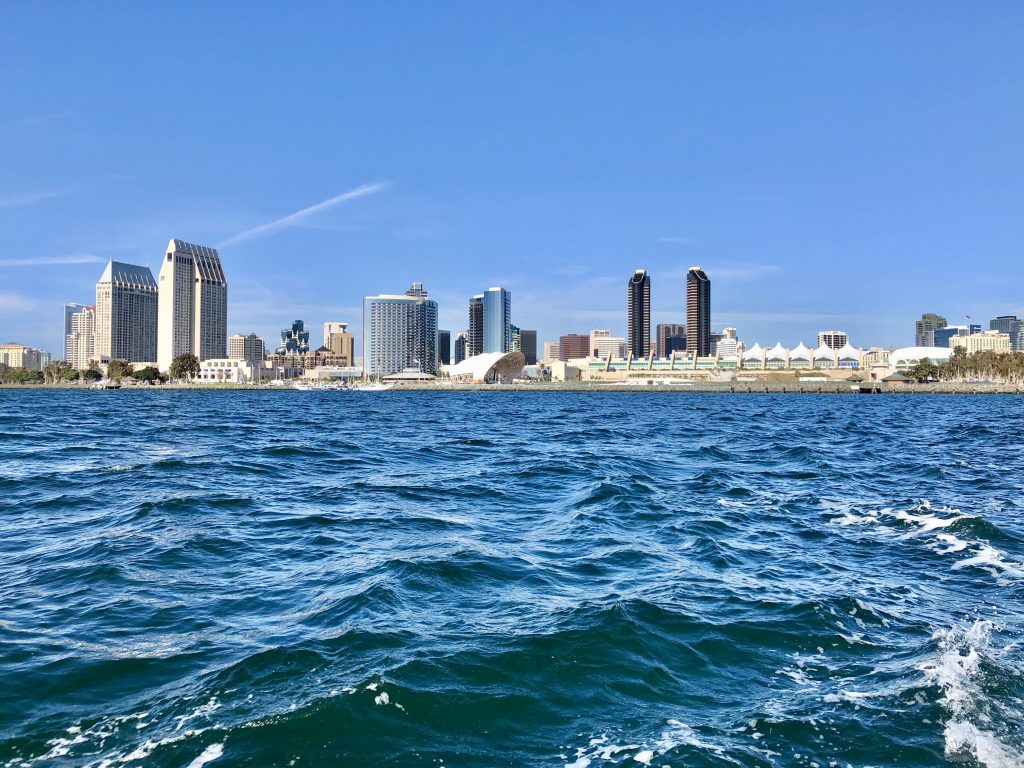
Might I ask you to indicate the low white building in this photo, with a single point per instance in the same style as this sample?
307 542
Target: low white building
230 371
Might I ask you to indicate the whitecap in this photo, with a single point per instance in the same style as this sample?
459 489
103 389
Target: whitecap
209 754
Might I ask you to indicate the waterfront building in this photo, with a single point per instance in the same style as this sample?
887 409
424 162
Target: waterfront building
925 327
982 342
698 312
339 342
833 339
573 346
193 304
14 355
638 317
444 347
1013 327
249 348
80 342
497 326
475 334
461 342
663 332
126 314
905 358
237 371
488 368
603 344
294 339
552 352
400 332
528 345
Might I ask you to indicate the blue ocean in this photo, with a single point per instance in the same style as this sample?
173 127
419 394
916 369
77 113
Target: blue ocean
510 579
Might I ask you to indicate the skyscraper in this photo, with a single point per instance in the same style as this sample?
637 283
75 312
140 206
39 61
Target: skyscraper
400 332
528 345
294 339
664 332
924 328
69 312
1013 327
638 332
126 314
698 313
444 347
193 304
497 320
460 347
80 343
603 344
475 334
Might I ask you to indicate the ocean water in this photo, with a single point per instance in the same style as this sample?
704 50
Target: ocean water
503 579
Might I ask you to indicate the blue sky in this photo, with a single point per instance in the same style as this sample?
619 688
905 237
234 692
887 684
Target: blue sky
831 165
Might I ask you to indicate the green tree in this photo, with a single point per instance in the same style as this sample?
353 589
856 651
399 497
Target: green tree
92 374
149 373
69 374
185 367
118 369
924 371
52 372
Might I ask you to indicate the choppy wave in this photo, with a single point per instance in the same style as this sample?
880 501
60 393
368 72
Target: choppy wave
591 580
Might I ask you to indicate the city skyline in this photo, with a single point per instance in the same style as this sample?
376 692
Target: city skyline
764 144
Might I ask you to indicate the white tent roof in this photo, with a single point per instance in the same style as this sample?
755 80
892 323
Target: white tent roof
849 353
778 352
754 353
479 366
824 352
800 352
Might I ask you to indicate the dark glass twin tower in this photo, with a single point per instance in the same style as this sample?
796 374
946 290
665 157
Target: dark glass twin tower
698 313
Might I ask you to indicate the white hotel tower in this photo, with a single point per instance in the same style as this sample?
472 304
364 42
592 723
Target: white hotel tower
193 304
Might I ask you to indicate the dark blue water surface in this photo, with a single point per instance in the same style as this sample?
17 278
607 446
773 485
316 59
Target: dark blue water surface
510 579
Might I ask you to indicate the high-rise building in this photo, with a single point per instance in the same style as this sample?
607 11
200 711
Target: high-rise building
514 330
461 341
638 320
339 342
528 345
940 337
14 355
69 312
400 332
475 334
1013 327
294 339
833 339
698 312
664 330
573 346
80 343
444 347
603 344
924 328
982 342
193 304
250 348
126 314
497 320
551 351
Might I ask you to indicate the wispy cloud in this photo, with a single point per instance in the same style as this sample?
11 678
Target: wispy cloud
299 217
73 258
35 197
11 303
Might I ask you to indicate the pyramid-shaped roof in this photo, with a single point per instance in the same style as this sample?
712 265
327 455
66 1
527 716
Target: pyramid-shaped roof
754 353
849 353
800 352
824 352
778 352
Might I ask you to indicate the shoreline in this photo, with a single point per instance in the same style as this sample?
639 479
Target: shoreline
753 388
